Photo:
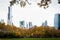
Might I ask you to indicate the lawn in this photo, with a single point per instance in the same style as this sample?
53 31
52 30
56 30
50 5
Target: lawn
29 38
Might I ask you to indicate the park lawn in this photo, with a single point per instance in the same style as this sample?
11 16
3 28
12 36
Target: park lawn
29 38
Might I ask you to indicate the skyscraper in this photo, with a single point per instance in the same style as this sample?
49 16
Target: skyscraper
45 23
22 24
9 20
57 21
30 24
27 26
2 21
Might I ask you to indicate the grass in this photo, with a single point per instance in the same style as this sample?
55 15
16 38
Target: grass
29 38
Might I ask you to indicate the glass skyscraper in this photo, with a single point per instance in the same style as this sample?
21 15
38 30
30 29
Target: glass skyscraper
44 23
22 24
57 21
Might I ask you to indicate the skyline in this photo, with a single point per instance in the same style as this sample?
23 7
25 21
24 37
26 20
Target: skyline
32 13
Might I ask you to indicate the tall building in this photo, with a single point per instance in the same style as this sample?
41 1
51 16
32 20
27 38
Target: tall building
9 19
22 24
42 24
57 21
2 21
30 24
27 26
45 23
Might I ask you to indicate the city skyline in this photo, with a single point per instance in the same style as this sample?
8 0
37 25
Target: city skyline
25 24
32 13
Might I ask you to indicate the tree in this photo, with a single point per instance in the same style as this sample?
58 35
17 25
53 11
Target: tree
21 2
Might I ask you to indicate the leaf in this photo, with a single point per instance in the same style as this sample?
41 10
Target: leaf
22 4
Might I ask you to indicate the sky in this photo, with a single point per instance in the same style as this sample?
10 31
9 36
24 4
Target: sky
33 12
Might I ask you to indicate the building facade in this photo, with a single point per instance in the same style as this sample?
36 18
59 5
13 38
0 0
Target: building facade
22 24
30 24
2 21
44 23
57 21
9 19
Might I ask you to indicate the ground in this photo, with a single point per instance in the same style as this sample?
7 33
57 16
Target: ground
29 38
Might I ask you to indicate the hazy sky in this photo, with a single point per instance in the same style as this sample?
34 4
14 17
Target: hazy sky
32 12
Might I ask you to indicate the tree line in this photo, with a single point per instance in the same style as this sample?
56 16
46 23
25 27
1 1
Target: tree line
9 31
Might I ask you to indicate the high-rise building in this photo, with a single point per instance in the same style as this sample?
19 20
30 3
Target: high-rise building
42 24
27 26
2 21
57 21
30 24
22 24
45 23
9 20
